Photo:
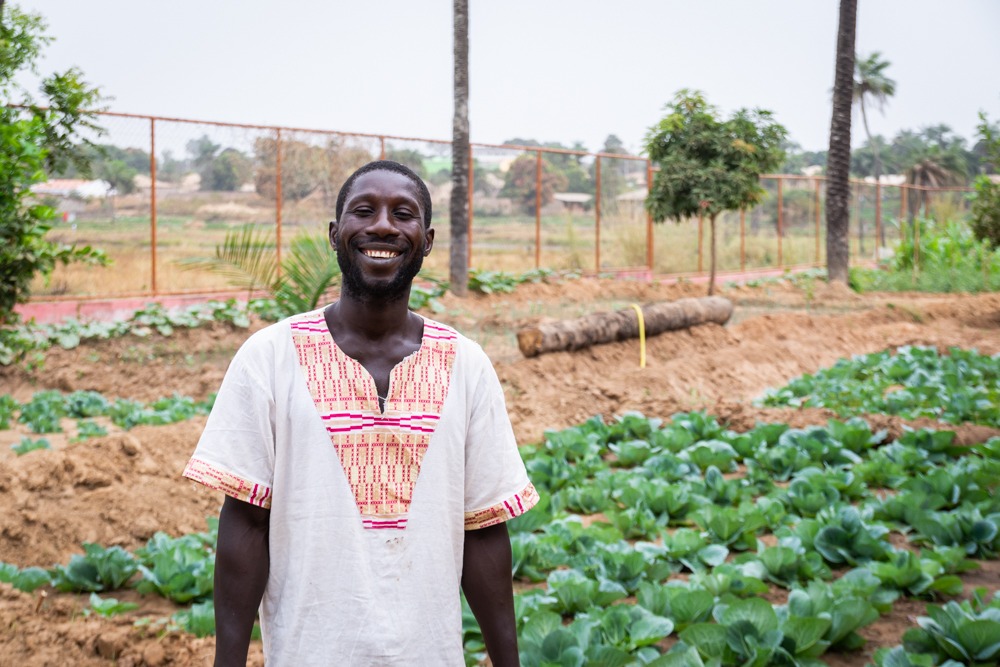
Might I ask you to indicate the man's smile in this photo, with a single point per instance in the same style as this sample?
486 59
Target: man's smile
380 253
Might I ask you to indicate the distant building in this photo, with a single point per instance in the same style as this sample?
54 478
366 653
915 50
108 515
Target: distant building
887 179
73 187
574 201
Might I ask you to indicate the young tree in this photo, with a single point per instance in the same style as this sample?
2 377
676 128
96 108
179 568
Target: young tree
458 273
985 220
838 190
227 171
708 165
520 180
303 167
120 179
35 140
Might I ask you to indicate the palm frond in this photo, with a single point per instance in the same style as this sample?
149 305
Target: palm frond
245 259
307 273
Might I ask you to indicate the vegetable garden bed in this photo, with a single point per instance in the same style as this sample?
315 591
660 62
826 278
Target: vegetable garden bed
803 536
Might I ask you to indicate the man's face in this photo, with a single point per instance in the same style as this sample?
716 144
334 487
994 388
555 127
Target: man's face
380 238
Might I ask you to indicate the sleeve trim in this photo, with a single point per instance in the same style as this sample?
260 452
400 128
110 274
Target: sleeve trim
232 485
505 510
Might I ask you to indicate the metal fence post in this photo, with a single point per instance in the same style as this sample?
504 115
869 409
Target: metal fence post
277 198
649 218
597 218
152 205
538 209
781 205
472 189
743 238
859 220
878 218
816 215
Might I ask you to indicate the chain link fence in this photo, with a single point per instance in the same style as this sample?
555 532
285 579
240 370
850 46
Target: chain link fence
165 191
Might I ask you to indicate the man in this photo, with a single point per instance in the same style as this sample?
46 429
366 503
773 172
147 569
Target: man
368 462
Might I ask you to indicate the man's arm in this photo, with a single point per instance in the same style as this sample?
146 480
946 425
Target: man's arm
486 580
242 561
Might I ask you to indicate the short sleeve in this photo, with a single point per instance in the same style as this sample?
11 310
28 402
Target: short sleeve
235 454
497 488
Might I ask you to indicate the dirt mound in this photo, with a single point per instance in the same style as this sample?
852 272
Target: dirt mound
116 490
52 631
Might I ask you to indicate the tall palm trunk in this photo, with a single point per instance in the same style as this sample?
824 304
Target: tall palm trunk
458 261
839 156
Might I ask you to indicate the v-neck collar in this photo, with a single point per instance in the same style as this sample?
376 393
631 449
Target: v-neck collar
380 452
371 398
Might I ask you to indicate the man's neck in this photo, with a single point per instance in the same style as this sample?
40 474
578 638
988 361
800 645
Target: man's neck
373 321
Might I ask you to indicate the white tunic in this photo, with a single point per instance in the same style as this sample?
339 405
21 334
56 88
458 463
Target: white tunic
368 509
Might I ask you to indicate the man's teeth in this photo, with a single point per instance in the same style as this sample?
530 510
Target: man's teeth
381 254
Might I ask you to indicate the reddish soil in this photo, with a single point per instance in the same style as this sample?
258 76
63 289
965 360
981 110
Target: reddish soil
120 489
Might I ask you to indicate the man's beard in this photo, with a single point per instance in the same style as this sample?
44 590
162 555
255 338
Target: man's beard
353 281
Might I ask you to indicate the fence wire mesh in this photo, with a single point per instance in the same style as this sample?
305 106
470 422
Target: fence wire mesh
166 191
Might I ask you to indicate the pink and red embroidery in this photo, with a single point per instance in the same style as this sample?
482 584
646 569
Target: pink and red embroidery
380 452
505 510
220 480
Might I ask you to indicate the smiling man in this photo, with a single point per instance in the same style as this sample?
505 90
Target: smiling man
368 464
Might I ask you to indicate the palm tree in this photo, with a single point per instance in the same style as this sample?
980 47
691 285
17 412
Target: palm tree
458 260
870 82
839 156
933 168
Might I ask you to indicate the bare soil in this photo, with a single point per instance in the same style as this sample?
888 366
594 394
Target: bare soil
121 488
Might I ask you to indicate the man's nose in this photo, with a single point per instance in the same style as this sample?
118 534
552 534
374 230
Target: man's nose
382 224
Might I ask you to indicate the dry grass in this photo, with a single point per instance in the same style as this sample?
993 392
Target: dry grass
499 243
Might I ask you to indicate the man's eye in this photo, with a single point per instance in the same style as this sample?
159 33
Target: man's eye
404 215
362 211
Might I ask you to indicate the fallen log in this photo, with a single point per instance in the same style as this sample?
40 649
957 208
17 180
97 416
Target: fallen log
600 328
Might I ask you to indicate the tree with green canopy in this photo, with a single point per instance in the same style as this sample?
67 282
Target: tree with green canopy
708 165
35 140
985 218
520 182
940 162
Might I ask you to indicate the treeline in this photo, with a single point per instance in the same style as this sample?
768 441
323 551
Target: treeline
936 147
309 167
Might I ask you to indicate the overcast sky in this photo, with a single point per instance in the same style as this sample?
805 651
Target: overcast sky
552 70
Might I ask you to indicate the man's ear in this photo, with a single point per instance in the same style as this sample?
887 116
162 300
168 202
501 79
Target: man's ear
428 241
332 234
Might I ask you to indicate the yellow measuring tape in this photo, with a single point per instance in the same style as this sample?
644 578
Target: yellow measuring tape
642 335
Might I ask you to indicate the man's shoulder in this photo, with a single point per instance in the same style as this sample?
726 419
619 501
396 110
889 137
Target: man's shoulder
270 340
464 346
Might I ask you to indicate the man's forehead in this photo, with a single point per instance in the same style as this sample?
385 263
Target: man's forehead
384 182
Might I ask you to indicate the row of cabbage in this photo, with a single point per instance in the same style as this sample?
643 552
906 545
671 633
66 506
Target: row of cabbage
695 523
181 569
48 410
912 381
19 341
